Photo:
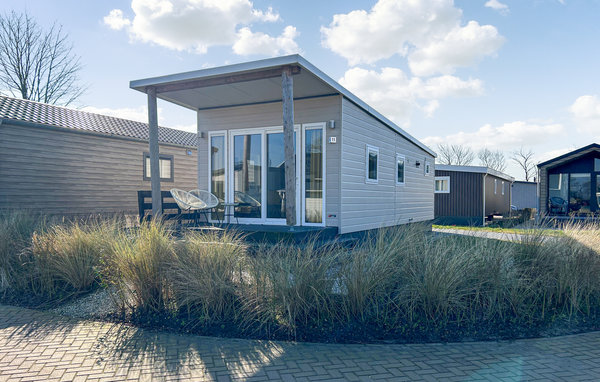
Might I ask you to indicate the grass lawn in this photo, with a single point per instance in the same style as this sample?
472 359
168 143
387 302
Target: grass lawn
520 231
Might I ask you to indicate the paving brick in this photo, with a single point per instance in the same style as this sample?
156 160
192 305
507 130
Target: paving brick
36 346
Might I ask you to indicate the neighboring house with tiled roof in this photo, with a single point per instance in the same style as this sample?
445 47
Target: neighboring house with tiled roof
58 160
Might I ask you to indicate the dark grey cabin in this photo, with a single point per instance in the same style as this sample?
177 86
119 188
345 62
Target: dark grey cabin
570 183
468 195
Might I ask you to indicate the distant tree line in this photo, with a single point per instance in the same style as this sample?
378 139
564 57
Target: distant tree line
462 155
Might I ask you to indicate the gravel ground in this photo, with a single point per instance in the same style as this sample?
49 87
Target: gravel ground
95 305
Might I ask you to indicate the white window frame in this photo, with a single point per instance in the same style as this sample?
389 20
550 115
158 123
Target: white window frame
446 178
398 158
313 126
368 150
211 134
427 168
300 175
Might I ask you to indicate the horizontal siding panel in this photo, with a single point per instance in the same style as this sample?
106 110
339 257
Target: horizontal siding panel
365 205
63 172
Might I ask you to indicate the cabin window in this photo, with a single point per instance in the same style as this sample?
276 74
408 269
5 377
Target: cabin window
372 159
596 165
165 163
400 160
558 186
502 188
442 184
495 186
427 168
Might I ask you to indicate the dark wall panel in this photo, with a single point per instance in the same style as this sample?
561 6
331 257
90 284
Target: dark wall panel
465 197
495 202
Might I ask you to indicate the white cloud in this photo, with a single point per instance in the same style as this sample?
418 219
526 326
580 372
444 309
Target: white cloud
115 20
497 6
461 47
250 43
586 112
394 94
511 135
189 25
428 32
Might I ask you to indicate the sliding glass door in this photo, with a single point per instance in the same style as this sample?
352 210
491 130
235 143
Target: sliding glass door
247 175
276 194
247 168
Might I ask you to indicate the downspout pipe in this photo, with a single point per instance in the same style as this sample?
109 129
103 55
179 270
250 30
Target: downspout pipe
483 196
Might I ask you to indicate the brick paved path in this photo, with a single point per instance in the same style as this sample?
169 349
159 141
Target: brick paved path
37 346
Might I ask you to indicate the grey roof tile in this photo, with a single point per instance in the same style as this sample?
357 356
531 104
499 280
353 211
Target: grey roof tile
50 115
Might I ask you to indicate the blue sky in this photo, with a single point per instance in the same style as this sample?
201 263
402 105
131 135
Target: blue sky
485 73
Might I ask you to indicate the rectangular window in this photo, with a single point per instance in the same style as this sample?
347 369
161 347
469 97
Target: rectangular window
596 164
558 186
400 160
372 159
217 166
495 186
580 187
502 188
442 184
165 165
427 168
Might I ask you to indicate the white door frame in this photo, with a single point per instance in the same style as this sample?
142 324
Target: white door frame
300 131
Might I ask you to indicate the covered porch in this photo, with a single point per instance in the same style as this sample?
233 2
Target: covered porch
267 173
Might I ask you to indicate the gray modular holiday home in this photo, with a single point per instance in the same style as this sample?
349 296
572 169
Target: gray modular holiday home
60 161
354 169
524 194
469 195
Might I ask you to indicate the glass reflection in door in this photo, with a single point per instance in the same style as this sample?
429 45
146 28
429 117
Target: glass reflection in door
276 175
247 166
217 170
313 176
580 187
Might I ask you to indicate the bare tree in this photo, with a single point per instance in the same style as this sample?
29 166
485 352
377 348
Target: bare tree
455 155
37 64
525 160
492 159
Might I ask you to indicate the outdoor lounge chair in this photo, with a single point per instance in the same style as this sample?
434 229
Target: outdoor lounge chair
188 202
558 205
209 199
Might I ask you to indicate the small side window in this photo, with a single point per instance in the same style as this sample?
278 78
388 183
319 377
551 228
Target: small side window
400 161
427 168
442 184
495 186
165 164
372 165
502 188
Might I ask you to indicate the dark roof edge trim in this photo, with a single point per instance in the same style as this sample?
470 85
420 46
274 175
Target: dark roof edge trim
574 152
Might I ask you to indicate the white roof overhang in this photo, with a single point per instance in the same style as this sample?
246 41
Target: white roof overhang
253 83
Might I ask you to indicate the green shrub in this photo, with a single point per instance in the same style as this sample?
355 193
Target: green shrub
207 275
16 230
137 267
291 286
65 259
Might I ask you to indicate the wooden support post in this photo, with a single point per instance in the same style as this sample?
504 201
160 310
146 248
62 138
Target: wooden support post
154 154
287 88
